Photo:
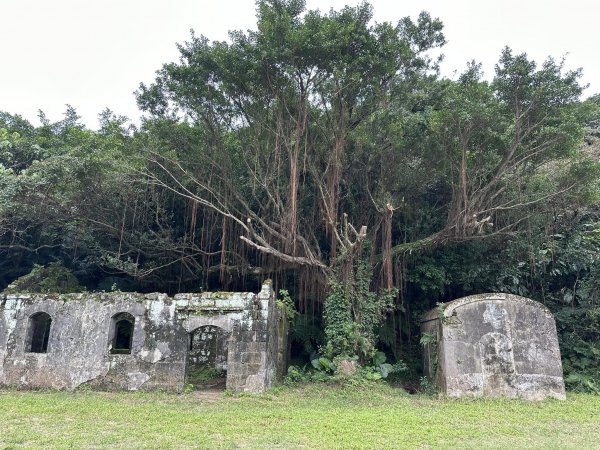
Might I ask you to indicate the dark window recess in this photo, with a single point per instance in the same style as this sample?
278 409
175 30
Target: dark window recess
123 333
39 332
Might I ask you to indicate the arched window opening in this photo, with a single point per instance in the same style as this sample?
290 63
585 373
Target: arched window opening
122 333
39 332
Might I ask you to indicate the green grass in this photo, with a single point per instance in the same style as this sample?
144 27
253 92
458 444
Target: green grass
315 416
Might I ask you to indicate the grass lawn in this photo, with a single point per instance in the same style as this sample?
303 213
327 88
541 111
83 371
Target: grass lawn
314 416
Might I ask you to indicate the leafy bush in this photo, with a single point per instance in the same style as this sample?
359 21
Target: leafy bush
323 364
296 375
53 278
323 369
579 337
286 303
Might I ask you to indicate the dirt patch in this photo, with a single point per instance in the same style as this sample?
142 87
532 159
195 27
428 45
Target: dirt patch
208 395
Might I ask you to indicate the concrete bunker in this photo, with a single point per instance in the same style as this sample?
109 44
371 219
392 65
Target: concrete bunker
493 345
129 341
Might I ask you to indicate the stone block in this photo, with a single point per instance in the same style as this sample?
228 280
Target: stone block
254 358
259 325
248 336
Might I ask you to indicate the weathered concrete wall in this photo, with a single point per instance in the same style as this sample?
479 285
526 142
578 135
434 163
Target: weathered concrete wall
494 345
81 337
208 348
251 363
79 342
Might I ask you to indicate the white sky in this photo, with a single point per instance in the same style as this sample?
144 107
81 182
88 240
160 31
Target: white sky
93 54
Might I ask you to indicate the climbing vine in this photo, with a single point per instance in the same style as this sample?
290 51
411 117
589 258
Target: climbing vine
352 311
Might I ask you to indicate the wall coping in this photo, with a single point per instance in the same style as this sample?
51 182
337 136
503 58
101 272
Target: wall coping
217 296
449 309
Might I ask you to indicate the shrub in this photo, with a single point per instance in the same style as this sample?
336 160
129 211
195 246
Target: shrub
53 278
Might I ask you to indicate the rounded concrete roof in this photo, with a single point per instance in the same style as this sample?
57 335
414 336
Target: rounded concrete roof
447 309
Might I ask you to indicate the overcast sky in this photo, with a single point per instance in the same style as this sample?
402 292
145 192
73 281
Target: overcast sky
93 54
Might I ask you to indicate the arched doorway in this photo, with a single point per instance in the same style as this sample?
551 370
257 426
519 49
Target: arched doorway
38 333
122 333
207 358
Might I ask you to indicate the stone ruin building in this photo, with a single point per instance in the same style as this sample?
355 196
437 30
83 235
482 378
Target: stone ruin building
493 345
129 341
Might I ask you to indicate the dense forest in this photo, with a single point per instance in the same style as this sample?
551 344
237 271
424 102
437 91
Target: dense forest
326 152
